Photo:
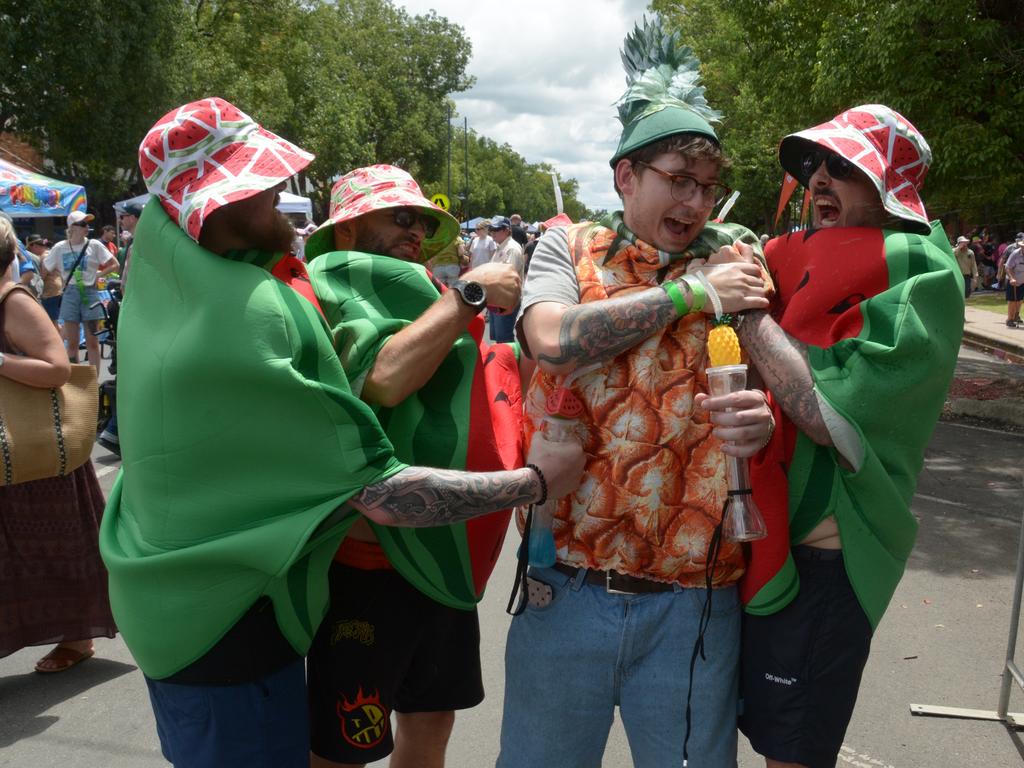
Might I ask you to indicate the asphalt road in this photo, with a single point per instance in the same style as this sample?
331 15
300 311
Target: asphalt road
943 642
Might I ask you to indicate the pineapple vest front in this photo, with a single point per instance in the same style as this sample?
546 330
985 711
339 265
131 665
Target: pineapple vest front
654 484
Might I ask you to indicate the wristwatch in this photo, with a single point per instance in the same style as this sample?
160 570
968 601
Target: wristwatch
473 294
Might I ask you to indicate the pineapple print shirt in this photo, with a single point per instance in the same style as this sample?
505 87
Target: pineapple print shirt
654 484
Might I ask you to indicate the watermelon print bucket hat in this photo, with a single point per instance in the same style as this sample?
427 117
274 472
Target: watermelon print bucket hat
208 153
883 144
373 189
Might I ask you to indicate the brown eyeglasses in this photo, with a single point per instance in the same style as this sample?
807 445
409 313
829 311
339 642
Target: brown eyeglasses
684 187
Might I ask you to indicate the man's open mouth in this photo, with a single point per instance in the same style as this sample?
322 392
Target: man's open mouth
677 227
827 209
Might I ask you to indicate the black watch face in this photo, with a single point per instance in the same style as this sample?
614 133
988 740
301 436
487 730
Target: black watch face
473 293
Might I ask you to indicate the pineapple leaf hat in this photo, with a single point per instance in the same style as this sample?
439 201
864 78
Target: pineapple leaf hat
883 144
207 154
663 92
376 188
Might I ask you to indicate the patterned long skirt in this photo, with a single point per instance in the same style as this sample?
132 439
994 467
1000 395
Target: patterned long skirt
53 585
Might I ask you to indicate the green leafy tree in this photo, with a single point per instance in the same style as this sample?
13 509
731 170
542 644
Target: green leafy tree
953 67
356 82
501 181
82 83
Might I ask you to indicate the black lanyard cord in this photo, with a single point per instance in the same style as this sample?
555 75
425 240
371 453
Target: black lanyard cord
714 549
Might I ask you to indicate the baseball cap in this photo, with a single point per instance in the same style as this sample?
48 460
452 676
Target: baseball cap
33 239
208 154
499 222
961 240
131 209
79 217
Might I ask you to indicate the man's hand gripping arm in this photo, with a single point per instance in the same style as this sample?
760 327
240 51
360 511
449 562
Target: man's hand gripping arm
421 497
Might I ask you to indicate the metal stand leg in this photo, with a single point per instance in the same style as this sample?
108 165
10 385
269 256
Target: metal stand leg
1010 669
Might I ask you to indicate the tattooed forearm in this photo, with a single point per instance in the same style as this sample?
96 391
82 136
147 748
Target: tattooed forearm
421 497
782 362
602 330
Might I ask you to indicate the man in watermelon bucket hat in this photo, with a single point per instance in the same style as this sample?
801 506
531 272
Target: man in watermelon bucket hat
415 354
246 456
857 353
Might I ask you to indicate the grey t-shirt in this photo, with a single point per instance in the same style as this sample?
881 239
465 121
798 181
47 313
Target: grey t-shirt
551 277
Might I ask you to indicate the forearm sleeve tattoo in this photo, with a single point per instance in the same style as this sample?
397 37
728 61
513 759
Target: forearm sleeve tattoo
783 364
421 497
604 329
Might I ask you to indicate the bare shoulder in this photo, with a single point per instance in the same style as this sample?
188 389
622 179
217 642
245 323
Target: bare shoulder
25 319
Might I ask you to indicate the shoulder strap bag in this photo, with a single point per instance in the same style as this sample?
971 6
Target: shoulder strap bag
45 432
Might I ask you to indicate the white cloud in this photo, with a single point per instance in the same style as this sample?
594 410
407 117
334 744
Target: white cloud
547 73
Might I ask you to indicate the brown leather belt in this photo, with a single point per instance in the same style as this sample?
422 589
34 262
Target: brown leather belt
615 582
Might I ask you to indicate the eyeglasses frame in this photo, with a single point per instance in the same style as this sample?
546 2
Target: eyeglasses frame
676 178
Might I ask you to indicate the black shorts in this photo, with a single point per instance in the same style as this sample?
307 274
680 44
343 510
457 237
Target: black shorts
385 646
801 667
1014 292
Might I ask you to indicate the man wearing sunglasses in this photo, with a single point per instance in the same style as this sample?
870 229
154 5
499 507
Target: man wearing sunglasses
614 312
858 354
509 252
402 633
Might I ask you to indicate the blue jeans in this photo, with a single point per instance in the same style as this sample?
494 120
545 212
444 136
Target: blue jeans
503 327
569 664
262 724
76 307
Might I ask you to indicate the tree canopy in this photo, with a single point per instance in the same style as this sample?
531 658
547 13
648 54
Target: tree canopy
954 68
355 82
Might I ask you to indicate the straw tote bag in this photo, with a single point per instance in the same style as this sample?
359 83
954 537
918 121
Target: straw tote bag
46 432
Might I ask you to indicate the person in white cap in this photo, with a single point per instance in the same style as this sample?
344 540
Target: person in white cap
1013 270
245 455
967 263
79 260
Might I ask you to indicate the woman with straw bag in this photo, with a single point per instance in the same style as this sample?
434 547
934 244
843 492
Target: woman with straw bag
53 586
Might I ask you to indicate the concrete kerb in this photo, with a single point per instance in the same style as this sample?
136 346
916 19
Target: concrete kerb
1008 408
1005 350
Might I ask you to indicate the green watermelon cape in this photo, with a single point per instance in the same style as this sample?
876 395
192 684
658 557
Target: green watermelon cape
882 314
467 416
241 440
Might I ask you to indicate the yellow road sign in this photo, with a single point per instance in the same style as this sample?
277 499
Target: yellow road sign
441 201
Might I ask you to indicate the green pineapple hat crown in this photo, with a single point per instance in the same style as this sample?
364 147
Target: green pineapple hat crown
663 92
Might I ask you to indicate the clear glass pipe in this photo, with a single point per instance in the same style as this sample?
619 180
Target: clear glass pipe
742 520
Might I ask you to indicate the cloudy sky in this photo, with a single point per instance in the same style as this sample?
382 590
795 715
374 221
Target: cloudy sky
547 74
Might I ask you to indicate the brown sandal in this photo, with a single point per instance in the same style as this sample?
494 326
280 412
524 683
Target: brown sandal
65 658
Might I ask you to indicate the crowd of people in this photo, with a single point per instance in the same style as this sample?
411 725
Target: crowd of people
989 263
322 451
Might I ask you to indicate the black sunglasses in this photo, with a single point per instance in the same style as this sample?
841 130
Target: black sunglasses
407 218
838 167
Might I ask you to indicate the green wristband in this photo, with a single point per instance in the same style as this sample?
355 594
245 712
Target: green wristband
697 289
670 287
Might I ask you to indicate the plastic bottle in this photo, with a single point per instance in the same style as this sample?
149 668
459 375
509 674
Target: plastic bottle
542 539
560 426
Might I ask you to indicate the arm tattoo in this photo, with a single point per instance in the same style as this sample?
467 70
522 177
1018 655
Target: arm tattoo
783 364
421 497
605 329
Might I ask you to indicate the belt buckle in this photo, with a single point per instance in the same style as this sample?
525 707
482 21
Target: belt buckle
610 589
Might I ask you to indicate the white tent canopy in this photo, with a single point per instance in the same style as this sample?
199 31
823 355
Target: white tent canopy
288 203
